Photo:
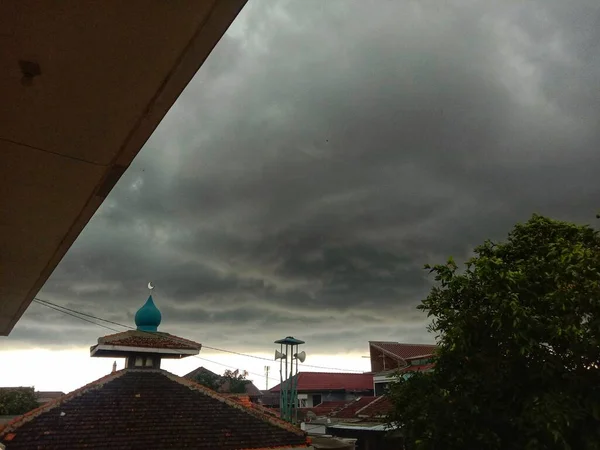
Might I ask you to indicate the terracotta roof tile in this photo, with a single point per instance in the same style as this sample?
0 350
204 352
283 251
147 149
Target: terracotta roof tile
146 339
324 409
140 409
380 407
323 381
350 410
422 368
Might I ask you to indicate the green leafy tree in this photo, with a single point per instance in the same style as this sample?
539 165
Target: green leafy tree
17 401
519 347
232 381
209 379
236 382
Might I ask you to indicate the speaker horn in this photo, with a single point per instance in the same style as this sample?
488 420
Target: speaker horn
300 356
279 355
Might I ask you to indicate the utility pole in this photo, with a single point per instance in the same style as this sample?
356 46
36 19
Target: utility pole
267 368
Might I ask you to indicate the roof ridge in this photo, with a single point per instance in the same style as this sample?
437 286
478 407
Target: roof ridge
249 410
377 399
346 406
24 418
402 343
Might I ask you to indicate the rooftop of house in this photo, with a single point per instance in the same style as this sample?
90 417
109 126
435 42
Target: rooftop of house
325 381
363 408
403 351
350 409
141 408
378 408
322 409
46 396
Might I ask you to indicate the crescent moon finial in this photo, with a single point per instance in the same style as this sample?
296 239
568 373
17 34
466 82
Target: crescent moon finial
150 285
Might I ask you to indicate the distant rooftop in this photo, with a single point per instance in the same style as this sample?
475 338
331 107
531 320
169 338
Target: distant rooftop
325 381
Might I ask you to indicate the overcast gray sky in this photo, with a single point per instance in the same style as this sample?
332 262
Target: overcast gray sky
324 153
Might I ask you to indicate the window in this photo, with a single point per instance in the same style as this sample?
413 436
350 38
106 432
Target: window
317 399
139 361
149 362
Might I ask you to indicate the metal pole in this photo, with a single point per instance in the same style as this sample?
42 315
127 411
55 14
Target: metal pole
287 387
296 391
281 386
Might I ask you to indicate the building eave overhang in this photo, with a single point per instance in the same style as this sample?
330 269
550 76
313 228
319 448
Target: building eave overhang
83 86
121 351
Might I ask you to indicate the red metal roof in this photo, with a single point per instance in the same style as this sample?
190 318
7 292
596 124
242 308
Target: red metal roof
324 381
404 351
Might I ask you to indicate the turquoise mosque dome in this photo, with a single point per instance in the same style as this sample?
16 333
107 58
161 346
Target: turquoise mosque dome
148 316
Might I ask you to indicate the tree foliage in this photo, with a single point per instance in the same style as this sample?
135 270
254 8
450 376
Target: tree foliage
233 382
519 347
236 381
17 401
208 379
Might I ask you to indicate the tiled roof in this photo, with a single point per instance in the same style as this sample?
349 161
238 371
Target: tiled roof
349 411
141 409
404 351
379 407
323 409
146 339
323 381
423 368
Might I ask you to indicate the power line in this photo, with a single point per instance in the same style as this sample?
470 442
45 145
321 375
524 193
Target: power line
57 308
69 312
232 367
50 304
268 359
81 318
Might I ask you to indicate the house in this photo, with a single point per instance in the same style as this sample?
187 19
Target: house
362 420
44 397
250 390
387 358
315 388
144 406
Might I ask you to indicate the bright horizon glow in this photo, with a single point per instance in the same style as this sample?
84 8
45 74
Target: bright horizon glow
67 370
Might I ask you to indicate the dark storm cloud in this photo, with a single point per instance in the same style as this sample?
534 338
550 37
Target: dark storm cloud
324 153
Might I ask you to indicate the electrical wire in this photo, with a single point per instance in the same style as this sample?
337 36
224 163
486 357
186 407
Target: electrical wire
232 367
81 318
72 312
57 308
